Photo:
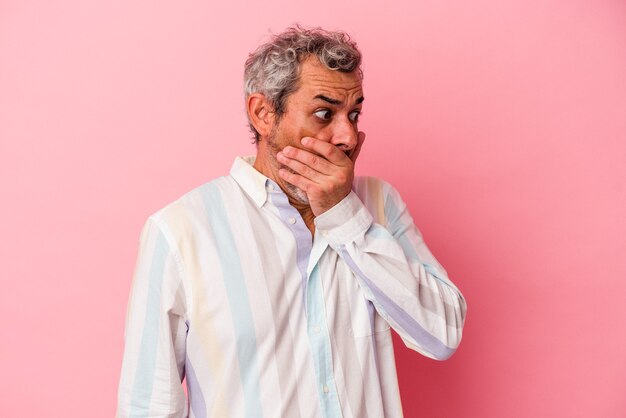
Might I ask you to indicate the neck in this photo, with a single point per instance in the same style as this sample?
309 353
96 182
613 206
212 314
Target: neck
270 171
305 212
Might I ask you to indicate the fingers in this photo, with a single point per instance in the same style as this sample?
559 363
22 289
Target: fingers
322 170
302 162
325 149
297 180
300 157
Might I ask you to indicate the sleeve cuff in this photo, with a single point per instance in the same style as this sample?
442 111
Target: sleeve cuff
345 221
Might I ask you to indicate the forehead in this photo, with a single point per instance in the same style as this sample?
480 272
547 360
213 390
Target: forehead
316 79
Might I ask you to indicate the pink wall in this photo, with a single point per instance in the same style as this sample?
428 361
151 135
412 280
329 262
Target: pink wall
503 123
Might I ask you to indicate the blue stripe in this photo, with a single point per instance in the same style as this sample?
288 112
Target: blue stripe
144 375
235 284
398 229
392 213
300 232
320 347
313 295
196 398
424 338
378 231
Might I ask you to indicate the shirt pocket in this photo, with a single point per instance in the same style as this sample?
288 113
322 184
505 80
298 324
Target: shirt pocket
365 320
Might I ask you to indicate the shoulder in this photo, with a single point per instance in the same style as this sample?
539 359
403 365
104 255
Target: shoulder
179 218
374 189
378 195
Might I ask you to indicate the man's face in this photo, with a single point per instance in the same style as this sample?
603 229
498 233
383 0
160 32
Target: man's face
325 106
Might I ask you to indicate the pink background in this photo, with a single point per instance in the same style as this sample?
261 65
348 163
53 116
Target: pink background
503 124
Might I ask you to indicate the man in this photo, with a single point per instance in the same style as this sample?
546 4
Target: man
273 290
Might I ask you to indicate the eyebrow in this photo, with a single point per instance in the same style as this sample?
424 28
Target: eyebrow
335 101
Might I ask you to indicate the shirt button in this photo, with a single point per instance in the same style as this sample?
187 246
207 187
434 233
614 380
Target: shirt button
325 389
291 220
324 233
317 329
270 187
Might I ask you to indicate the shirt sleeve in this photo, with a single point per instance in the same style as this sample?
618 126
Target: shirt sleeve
156 329
397 272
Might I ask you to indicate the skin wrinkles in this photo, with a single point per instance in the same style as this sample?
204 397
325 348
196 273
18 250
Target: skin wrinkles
317 175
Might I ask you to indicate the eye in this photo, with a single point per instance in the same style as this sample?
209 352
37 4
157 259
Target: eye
354 116
323 114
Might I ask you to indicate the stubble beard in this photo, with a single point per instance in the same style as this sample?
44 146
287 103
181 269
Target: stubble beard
295 192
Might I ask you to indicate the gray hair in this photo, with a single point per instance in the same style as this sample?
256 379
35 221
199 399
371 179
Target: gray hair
273 69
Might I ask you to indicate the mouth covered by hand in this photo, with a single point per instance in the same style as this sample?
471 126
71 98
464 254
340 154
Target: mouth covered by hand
321 170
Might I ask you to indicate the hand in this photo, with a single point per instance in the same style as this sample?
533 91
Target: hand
321 170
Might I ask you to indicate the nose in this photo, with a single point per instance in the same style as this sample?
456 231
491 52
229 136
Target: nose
344 134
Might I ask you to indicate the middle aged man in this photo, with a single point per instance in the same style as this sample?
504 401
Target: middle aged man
273 289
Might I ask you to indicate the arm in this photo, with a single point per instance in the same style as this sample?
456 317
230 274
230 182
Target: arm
154 353
393 266
397 272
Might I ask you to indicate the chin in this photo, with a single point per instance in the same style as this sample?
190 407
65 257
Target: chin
298 194
295 193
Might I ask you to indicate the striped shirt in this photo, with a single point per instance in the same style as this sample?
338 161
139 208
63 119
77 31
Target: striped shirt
232 293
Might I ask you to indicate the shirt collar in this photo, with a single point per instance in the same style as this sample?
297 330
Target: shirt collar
249 179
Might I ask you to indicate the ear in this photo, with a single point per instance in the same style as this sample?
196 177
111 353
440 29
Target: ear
261 113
